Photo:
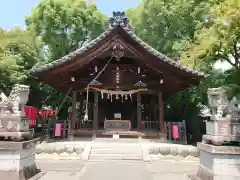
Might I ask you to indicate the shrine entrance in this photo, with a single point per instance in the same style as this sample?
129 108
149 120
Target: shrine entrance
118 110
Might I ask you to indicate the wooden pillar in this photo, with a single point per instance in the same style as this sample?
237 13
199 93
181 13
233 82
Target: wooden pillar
139 111
161 111
74 110
81 110
73 117
95 111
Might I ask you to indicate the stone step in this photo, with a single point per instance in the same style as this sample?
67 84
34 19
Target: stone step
192 177
115 157
115 151
115 146
120 140
139 153
107 151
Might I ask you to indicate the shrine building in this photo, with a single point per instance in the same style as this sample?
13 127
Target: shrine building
117 82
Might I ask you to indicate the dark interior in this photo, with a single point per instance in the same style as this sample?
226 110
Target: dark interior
127 108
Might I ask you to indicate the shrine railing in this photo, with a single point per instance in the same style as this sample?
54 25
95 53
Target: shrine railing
150 125
80 124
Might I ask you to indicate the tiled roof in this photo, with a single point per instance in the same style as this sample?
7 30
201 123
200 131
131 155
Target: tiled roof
163 57
112 26
73 54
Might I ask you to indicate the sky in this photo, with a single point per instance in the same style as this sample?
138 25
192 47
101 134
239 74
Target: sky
12 12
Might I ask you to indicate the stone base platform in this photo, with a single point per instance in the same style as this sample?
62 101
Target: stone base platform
17 160
218 163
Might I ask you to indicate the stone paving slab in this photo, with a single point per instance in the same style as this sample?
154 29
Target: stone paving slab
115 170
52 175
170 176
161 167
60 165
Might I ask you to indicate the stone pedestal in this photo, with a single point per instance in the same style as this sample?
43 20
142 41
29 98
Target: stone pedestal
17 160
218 163
70 136
220 131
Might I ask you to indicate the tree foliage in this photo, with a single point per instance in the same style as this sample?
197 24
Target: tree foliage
63 26
218 39
198 33
169 26
18 53
60 27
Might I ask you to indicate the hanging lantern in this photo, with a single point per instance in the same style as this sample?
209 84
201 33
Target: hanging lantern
161 81
126 98
117 96
122 97
108 96
139 70
96 69
102 94
131 97
111 97
73 79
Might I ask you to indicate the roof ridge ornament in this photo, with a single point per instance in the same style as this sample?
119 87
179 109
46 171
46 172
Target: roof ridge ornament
119 19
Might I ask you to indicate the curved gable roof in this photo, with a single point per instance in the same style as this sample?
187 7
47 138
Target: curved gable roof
118 21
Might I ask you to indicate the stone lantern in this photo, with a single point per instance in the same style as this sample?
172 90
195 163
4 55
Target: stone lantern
219 152
223 125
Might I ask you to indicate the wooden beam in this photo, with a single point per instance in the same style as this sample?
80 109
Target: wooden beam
74 111
95 111
139 111
161 111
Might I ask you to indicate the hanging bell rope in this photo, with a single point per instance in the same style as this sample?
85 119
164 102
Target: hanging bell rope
86 108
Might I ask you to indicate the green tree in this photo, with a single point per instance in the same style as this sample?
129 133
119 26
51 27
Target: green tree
169 26
63 26
218 40
18 53
60 27
176 28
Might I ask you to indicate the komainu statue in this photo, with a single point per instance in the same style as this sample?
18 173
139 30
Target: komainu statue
13 122
224 124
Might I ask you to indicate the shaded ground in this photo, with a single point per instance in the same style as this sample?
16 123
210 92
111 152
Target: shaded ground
117 170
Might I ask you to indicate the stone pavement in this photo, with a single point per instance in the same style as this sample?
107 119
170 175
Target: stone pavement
117 170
